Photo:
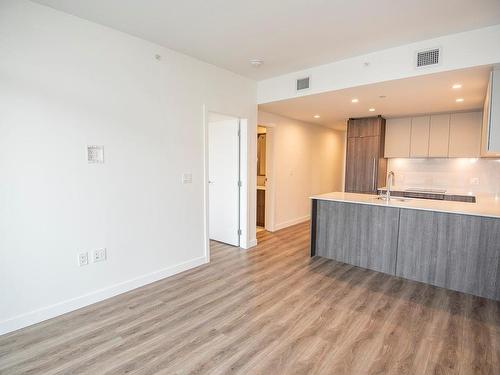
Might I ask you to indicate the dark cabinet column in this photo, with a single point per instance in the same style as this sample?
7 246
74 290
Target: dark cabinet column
365 166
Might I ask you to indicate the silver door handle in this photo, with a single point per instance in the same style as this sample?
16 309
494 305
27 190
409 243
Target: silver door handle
373 175
211 182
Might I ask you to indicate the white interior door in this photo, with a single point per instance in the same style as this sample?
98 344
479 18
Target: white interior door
223 172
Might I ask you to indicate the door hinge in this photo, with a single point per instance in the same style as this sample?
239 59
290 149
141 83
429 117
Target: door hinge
240 184
239 232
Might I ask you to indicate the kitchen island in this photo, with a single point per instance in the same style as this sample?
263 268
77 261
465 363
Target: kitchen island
455 245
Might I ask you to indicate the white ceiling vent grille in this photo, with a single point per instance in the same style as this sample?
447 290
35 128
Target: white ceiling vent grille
430 57
303 83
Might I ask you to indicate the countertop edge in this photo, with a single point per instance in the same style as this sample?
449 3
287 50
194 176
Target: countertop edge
388 205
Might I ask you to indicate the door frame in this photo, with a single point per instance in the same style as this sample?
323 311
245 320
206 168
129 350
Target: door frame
243 177
270 199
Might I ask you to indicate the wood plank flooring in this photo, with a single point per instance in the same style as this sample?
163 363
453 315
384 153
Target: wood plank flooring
268 310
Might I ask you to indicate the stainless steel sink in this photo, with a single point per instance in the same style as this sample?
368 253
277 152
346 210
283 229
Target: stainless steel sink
397 199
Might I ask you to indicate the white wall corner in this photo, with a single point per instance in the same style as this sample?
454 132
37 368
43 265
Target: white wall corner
249 244
289 223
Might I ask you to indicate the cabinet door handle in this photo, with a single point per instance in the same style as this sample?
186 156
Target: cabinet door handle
373 175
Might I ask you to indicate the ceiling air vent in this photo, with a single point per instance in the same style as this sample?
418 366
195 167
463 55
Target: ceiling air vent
429 57
303 83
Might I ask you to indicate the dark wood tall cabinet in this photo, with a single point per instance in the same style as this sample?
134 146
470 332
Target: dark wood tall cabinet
366 166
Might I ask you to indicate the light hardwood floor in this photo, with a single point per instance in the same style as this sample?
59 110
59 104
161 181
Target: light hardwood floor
269 310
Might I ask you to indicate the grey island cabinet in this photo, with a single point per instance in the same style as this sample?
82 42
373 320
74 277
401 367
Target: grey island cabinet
448 246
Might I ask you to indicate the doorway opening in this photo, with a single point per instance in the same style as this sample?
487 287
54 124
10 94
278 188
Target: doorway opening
261 178
265 180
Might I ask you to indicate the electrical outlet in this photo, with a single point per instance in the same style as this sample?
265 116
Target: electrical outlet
83 259
474 181
99 255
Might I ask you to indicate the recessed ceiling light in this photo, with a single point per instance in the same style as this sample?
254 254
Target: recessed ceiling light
256 62
459 100
316 116
354 100
456 86
372 109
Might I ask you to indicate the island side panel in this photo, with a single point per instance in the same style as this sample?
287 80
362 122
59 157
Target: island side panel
458 252
358 234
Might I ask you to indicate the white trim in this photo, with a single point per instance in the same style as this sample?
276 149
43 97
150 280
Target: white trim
244 203
206 235
250 244
289 223
72 304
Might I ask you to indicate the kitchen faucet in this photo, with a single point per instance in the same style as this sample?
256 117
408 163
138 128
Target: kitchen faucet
388 184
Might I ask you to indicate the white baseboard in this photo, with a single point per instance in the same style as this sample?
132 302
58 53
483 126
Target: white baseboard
250 244
289 223
63 307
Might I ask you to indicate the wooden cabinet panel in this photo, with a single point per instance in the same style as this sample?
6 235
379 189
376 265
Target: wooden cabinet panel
261 207
419 139
465 135
397 138
365 165
439 136
453 251
364 127
362 164
362 235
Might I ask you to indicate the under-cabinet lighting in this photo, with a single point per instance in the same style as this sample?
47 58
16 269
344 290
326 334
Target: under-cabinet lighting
456 86
459 100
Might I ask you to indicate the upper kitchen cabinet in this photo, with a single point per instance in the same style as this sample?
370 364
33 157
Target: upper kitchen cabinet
439 136
436 136
419 139
397 137
490 142
465 135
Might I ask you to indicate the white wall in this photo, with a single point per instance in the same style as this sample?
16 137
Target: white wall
308 160
66 83
462 50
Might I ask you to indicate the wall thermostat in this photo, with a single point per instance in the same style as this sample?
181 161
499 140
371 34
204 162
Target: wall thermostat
95 154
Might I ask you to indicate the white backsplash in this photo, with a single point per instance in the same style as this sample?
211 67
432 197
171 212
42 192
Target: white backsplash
461 176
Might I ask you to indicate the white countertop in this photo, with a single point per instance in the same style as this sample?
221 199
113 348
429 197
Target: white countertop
484 206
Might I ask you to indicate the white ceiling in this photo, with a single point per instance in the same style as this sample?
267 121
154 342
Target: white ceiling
289 35
430 93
